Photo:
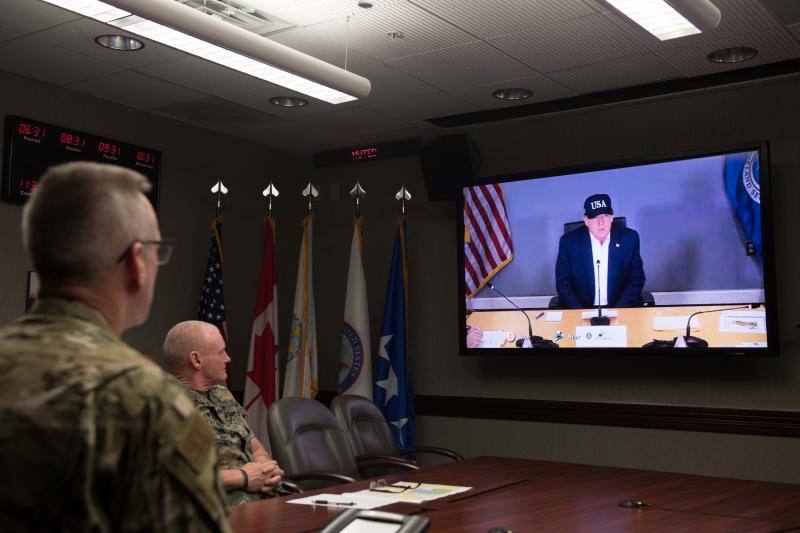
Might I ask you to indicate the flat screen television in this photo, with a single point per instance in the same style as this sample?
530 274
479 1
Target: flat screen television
667 255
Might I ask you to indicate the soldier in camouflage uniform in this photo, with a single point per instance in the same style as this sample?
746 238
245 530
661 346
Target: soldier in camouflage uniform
195 352
93 436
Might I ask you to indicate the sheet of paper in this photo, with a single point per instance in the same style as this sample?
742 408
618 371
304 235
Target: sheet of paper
344 501
743 322
670 323
492 339
554 316
610 313
424 493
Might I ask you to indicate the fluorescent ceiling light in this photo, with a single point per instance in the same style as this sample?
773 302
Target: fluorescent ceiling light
670 19
179 26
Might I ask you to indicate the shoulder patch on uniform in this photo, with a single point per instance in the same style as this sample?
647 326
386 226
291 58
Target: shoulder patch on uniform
183 406
195 443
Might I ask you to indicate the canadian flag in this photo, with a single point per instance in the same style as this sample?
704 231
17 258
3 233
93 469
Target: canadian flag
260 388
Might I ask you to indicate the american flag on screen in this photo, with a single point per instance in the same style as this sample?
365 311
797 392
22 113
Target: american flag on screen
487 235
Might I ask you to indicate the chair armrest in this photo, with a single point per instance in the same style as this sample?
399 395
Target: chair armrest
319 475
288 487
383 462
450 454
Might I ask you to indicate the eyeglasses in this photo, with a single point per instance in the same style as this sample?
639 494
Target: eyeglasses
163 250
392 488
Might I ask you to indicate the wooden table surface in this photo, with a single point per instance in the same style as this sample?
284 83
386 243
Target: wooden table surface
525 495
639 321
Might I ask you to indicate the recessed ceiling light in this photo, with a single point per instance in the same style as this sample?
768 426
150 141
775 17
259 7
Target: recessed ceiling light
365 5
395 34
119 42
512 93
288 101
732 55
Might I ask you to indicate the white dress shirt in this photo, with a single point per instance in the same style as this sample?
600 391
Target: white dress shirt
600 252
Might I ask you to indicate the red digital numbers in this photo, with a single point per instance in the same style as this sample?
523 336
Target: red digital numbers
27 185
145 157
108 148
72 140
31 130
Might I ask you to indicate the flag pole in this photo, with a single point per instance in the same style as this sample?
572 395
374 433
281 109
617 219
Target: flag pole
219 189
402 195
358 193
270 192
311 193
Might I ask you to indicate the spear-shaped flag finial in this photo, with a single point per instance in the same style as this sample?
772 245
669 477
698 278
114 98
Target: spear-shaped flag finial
358 193
310 192
403 195
269 193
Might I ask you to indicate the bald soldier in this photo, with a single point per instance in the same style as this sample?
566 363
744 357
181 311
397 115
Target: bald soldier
93 436
196 354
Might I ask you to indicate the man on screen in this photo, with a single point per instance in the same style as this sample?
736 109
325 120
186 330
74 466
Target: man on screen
599 251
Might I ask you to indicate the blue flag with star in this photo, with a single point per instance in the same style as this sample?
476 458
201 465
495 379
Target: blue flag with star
393 394
212 295
743 188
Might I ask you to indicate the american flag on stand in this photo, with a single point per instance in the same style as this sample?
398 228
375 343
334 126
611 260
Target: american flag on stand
487 235
212 296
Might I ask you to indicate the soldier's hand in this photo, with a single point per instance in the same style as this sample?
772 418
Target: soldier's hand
256 477
273 475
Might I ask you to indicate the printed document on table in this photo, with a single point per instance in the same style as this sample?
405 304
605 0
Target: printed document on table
424 493
492 339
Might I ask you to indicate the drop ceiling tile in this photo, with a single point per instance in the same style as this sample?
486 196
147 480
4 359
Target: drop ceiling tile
43 61
772 45
739 17
543 89
423 107
7 35
787 11
388 82
27 16
214 113
305 12
795 31
321 46
79 36
615 73
490 19
201 75
466 65
569 44
136 90
259 99
367 32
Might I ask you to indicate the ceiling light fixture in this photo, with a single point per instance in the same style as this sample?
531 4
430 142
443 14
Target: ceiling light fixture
288 101
512 93
119 42
732 55
179 26
670 19
365 5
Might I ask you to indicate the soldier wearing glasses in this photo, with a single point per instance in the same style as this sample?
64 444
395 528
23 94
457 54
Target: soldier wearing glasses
93 436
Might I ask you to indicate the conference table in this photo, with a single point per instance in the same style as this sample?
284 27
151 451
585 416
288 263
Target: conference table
527 495
639 321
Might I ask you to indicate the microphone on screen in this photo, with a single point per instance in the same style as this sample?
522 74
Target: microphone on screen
691 341
533 341
599 320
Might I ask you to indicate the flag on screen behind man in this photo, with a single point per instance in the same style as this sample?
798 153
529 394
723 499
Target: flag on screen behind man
212 300
393 393
261 381
487 235
301 359
743 188
355 364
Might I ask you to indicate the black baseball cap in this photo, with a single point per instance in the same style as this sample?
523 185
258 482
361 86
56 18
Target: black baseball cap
597 204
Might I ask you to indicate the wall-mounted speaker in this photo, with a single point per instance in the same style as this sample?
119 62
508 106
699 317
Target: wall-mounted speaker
446 161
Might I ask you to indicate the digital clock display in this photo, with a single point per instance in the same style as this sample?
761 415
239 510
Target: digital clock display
30 147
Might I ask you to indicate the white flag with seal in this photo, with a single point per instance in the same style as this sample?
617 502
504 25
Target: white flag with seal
355 365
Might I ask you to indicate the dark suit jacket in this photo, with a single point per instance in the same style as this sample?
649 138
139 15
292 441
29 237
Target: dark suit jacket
575 271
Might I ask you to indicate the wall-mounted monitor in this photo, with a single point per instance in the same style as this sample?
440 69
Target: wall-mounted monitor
666 255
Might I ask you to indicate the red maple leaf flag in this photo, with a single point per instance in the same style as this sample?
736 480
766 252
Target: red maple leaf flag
260 388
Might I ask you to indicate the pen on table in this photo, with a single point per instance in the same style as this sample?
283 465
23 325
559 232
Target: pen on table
540 315
326 502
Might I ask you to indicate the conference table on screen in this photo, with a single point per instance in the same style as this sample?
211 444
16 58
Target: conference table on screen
527 495
639 322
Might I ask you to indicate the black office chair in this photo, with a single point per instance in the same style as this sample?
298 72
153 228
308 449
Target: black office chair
312 448
369 435
646 299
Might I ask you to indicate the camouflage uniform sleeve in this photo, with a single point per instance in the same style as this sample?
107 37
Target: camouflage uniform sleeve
163 457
